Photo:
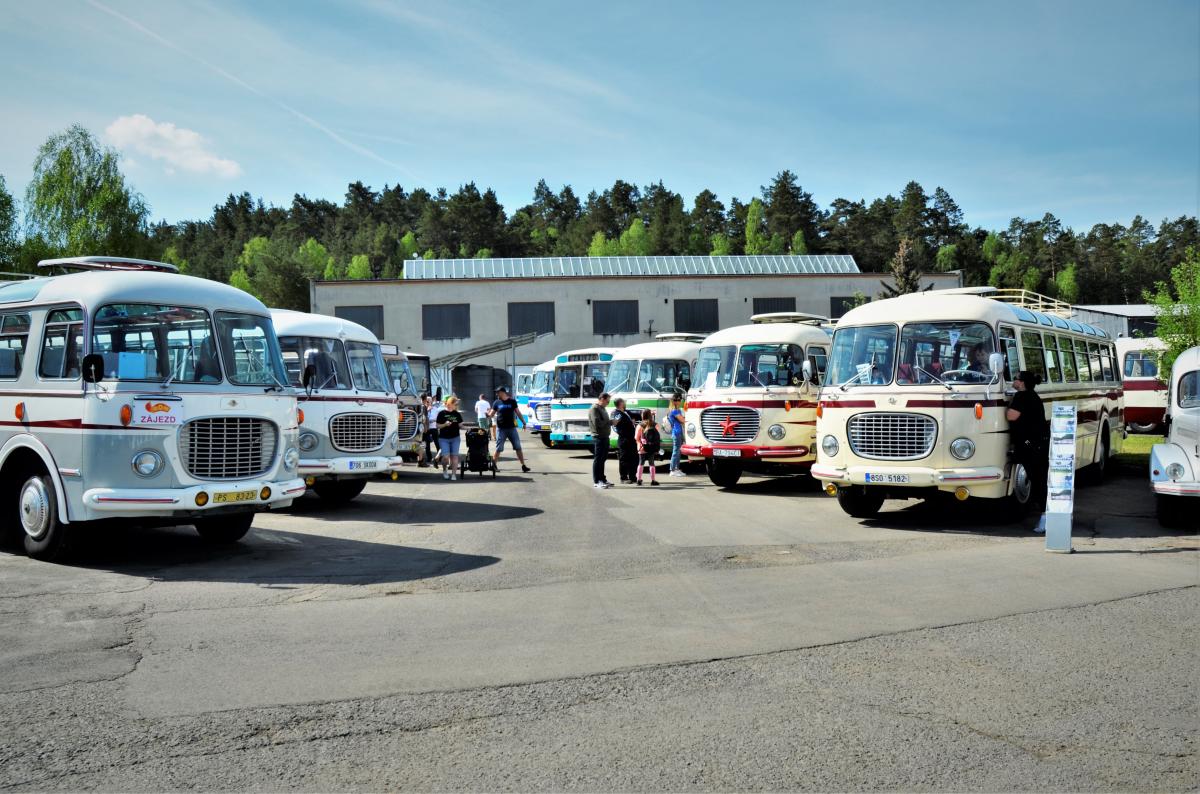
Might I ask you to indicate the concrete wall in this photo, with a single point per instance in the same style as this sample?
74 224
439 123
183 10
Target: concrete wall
489 298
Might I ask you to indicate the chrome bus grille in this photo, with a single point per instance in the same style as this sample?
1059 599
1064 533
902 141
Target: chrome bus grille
542 412
358 432
884 436
729 424
406 428
227 447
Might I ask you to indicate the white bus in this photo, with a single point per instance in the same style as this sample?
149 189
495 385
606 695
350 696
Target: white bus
410 379
915 395
348 415
580 376
541 392
1175 463
751 405
128 391
648 374
1145 392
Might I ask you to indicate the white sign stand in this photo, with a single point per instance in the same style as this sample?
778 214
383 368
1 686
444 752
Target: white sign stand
1060 493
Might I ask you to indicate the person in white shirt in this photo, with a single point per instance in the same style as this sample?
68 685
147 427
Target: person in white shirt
433 407
483 412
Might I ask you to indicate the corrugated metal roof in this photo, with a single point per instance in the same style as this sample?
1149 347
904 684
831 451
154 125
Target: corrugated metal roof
592 266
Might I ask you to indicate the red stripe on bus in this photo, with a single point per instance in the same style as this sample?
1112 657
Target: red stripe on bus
751 404
346 400
848 403
953 404
1145 385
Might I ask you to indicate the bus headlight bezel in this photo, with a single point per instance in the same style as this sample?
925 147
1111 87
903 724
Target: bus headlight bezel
962 448
395 440
830 445
691 430
1174 471
147 463
776 432
291 458
308 441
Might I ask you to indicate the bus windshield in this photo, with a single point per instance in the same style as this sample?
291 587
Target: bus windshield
768 365
566 381
366 366
863 354
250 350
715 363
952 352
621 376
150 342
541 382
660 375
398 369
420 371
326 356
1141 364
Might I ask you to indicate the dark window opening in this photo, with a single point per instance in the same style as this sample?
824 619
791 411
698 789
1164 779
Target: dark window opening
525 318
369 317
696 316
770 305
614 318
446 321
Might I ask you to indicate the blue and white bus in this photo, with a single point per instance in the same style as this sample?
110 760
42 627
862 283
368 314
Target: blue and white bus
580 377
537 405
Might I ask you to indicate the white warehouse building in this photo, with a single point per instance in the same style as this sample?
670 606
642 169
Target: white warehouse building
444 306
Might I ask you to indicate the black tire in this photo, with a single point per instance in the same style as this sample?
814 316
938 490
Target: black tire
224 529
45 536
1020 499
1098 470
1140 428
724 474
338 492
546 440
860 501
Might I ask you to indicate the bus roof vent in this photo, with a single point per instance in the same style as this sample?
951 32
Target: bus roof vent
788 317
107 263
681 337
1033 301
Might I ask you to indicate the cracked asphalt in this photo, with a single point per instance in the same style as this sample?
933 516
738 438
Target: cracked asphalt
533 634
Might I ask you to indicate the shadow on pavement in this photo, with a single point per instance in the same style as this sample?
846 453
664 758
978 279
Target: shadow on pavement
459 506
264 556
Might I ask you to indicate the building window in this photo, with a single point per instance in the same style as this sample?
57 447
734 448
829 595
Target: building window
614 318
536 318
839 306
446 321
369 317
697 316
769 305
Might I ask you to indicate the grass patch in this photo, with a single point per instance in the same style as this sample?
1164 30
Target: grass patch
1136 451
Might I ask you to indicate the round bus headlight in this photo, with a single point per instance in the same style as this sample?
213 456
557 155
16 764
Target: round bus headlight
147 463
962 448
829 445
291 459
1175 470
308 441
691 429
395 440
776 432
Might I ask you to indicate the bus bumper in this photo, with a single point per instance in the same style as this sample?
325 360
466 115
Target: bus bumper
571 438
349 466
165 501
913 477
792 454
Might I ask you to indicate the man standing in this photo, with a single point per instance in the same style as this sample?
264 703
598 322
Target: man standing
507 413
627 454
601 426
483 415
1027 429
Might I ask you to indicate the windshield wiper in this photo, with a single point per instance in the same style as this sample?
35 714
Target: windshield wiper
857 377
936 379
166 384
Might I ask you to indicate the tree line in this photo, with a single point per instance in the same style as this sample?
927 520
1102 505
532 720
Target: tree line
79 202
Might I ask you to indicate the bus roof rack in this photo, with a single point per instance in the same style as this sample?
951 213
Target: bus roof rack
107 263
1024 298
680 336
788 317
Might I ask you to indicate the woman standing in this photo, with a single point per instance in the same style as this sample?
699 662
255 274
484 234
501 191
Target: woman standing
649 441
449 420
1027 427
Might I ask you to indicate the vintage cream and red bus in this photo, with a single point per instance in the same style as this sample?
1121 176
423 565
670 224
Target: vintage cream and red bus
915 395
1145 392
409 375
348 415
130 392
753 395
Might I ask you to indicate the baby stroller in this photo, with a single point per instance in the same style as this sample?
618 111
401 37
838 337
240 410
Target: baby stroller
478 458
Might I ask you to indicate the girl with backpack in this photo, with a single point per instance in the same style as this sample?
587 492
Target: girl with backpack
649 441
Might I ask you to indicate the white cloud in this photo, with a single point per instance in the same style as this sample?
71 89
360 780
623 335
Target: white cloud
179 148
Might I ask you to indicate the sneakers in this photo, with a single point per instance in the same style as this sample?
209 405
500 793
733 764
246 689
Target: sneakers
654 482
453 476
639 483
445 474
676 473
524 468
603 485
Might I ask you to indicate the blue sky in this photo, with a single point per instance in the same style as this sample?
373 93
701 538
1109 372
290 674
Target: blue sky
1089 110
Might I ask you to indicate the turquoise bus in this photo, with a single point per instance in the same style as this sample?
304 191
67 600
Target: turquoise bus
648 374
580 376
537 405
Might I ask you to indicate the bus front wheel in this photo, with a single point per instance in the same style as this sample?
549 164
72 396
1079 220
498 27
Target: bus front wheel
546 439
860 501
339 492
723 473
1021 497
224 529
46 537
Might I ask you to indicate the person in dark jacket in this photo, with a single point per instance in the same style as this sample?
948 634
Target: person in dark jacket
600 424
1027 429
627 454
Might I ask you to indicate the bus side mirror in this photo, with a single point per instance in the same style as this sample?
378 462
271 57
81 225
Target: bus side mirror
685 383
437 397
397 385
309 375
93 368
996 364
807 368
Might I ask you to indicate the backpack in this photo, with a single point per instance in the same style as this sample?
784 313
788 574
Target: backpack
651 440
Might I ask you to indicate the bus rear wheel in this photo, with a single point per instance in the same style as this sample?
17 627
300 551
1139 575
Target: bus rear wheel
1099 469
46 537
224 529
339 492
1141 428
860 501
546 439
723 473
1020 499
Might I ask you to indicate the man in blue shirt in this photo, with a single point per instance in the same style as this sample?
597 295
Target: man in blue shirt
506 413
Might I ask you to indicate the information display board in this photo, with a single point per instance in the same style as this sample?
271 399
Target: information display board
1060 494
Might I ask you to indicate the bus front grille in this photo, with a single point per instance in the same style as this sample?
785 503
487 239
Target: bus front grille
358 432
406 429
543 413
887 436
227 447
733 424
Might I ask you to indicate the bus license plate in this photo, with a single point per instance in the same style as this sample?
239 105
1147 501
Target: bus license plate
361 465
234 496
727 453
893 478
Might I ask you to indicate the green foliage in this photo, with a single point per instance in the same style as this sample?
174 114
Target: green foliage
1177 307
408 246
799 247
8 228
947 258
905 271
171 257
279 276
360 268
78 202
241 280
756 238
634 240
483 253
1066 287
333 271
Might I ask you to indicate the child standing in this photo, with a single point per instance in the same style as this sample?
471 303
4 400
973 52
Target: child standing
649 441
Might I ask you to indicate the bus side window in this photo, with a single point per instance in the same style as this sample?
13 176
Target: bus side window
1106 358
1068 359
1012 358
62 345
819 357
1035 362
1052 359
14 335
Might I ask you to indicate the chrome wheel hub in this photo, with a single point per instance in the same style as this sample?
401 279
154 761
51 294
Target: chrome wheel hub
1022 487
35 509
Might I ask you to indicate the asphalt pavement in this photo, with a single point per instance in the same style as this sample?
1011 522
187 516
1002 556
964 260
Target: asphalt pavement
529 632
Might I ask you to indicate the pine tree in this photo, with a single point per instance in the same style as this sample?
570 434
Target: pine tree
906 272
